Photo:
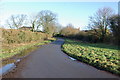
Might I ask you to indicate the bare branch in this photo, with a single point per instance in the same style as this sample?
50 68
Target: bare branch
99 21
16 21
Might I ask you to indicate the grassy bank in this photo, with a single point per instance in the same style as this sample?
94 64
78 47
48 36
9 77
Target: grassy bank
15 40
16 36
10 51
101 56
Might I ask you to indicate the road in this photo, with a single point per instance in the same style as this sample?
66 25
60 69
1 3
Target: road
50 62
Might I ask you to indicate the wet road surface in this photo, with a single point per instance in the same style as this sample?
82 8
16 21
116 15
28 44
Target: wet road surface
50 62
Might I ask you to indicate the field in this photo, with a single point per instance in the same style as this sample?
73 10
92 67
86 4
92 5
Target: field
101 56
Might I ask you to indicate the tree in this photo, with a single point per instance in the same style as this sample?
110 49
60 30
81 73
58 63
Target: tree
34 22
69 31
99 22
58 28
47 19
16 21
115 27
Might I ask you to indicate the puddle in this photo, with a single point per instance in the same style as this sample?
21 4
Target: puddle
7 68
72 58
9 64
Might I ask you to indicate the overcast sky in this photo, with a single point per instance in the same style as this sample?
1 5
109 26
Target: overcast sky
76 13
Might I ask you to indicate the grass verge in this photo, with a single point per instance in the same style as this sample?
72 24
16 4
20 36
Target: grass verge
11 51
101 56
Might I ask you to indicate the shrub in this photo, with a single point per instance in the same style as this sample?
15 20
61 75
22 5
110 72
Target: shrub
19 36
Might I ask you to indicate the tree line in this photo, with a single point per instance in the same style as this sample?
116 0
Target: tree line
104 27
45 19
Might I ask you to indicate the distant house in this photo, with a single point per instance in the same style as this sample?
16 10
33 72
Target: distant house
26 28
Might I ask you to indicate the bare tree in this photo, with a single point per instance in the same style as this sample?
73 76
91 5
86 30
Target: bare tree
99 21
34 22
58 28
47 19
16 21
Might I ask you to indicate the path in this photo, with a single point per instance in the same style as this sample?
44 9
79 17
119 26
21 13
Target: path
50 62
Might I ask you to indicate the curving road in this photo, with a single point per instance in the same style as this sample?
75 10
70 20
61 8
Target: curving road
50 62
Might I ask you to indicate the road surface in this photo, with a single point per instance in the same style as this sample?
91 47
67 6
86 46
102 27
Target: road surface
50 62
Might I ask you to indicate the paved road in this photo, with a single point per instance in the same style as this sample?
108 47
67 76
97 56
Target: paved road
50 62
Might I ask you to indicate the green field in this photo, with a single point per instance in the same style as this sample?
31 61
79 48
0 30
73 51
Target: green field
101 56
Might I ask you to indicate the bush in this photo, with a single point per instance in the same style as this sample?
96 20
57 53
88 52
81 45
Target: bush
19 36
115 28
69 31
